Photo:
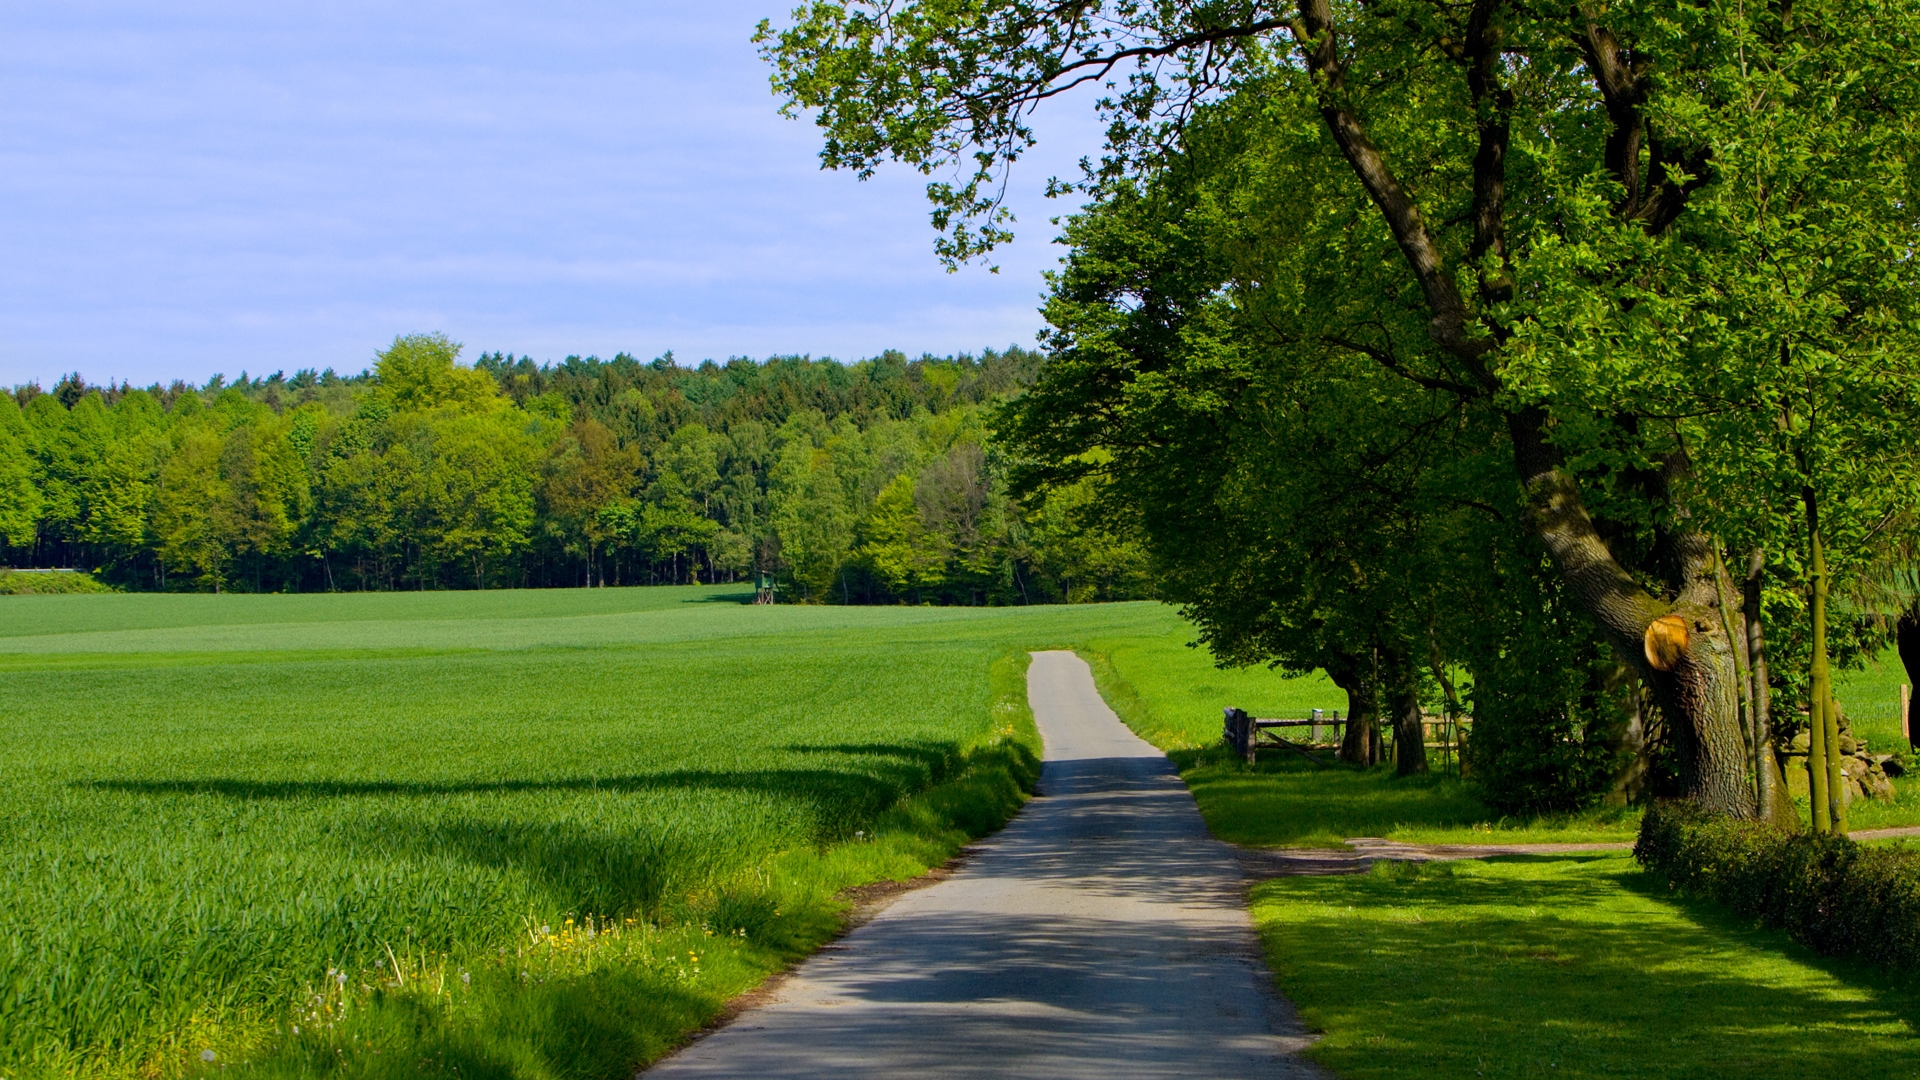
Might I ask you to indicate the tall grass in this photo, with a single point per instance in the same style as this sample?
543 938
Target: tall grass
371 817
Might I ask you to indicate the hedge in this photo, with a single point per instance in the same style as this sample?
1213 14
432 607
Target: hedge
1828 892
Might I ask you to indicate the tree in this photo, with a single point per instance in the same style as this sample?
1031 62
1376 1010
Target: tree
19 497
586 472
1530 171
894 545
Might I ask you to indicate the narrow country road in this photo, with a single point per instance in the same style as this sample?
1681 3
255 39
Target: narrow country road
1101 935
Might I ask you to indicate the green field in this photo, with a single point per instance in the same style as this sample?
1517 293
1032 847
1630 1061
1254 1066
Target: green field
372 816
1871 698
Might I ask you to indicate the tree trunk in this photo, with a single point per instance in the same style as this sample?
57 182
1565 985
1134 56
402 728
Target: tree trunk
1630 781
1358 745
1906 635
1678 648
1775 804
1409 733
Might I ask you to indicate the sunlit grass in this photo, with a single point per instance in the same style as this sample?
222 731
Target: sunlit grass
1871 698
1575 966
214 805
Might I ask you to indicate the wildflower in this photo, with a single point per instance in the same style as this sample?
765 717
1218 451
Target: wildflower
206 1055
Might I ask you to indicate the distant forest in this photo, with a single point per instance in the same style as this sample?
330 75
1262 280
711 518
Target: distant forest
868 482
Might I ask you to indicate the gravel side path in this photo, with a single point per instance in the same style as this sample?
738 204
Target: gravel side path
1102 935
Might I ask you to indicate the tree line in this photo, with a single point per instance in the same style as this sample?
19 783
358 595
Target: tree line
1556 363
872 482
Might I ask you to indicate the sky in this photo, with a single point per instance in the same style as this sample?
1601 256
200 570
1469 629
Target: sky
217 187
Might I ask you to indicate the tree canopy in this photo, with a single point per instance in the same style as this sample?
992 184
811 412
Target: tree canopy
1651 265
864 482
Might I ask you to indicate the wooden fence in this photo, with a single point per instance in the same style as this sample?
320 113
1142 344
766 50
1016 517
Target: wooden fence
1248 735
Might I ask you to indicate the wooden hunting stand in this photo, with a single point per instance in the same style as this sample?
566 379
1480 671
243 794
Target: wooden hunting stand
765 588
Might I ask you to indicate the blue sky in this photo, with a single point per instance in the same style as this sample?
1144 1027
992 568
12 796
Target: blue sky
194 188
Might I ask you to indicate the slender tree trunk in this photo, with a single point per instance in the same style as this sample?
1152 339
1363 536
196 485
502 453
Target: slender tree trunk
1775 804
1820 687
1630 782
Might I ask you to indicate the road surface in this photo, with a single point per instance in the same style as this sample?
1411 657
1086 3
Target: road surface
1101 935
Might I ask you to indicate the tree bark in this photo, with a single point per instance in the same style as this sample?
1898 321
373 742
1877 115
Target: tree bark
1358 744
1403 698
1696 686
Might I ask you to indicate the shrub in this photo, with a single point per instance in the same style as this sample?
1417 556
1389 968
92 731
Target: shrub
1544 744
42 583
1830 893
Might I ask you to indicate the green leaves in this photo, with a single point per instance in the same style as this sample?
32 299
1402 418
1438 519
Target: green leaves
950 84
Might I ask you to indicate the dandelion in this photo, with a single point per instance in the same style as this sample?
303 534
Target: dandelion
207 1055
466 978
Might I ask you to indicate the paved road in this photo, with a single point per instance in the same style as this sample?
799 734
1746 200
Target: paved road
1100 935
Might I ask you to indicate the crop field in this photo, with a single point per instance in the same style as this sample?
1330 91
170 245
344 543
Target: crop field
526 834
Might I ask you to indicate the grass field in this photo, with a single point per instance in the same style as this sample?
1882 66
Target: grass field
516 834
1871 698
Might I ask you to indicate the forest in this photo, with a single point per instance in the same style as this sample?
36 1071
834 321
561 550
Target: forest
870 482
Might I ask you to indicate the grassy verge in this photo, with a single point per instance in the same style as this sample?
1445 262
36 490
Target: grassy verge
1565 966
49 583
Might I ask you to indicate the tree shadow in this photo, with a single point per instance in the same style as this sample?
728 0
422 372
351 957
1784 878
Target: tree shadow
1502 975
935 761
825 785
1897 990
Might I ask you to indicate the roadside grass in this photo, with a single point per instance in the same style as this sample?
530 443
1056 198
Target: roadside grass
1572 965
546 840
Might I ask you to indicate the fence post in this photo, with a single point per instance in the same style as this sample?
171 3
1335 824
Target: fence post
1906 712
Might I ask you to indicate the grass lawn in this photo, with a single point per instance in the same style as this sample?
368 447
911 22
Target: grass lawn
1566 966
529 834
1871 699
